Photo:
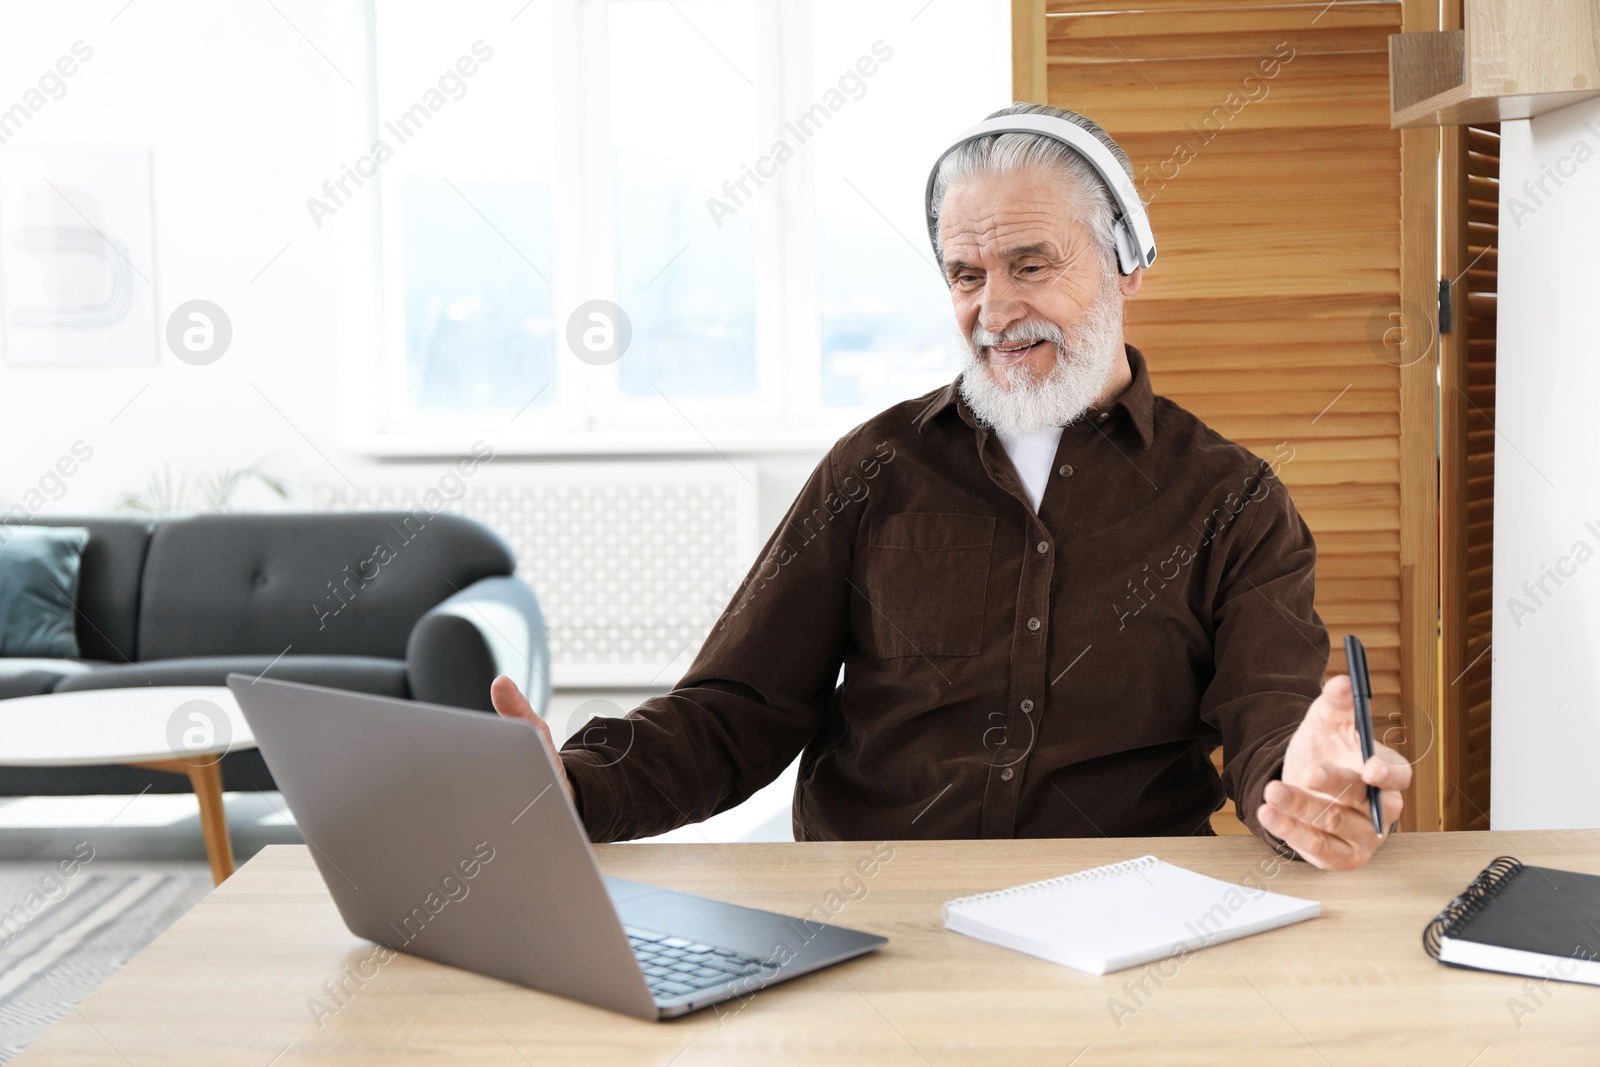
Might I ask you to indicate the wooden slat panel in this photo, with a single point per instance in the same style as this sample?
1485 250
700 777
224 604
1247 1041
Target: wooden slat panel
1029 73
1329 379
1304 481
1332 565
1353 495
1467 379
1356 589
1480 284
1267 401
1311 92
1318 10
1199 20
1214 33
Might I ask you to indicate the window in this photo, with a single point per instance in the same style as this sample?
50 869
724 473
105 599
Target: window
689 288
467 202
742 178
885 323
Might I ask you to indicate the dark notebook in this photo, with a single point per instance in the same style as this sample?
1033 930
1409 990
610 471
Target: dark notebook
1518 919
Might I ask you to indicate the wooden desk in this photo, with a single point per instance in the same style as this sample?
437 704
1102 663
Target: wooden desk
230 982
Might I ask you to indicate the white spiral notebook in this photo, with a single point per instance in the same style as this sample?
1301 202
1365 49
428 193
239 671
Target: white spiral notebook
1108 918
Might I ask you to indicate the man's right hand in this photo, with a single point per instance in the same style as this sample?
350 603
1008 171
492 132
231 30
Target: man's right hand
509 701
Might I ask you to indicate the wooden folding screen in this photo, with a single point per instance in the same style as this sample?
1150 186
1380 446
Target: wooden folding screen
1469 238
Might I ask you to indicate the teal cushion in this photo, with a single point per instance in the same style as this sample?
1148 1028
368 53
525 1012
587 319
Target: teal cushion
39 590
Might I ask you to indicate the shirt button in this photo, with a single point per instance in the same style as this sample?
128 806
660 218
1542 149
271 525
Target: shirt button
1065 471
1043 546
1034 623
1027 705
1007 774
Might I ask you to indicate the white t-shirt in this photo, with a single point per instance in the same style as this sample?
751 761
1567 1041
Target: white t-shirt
1033 454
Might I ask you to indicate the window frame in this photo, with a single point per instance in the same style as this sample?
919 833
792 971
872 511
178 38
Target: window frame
590 413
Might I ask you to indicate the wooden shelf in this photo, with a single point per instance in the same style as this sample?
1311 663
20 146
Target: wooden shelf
1513 60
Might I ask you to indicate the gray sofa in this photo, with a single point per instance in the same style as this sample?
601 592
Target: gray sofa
414 605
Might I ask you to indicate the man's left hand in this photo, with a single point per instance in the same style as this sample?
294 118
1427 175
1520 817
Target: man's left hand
1319 808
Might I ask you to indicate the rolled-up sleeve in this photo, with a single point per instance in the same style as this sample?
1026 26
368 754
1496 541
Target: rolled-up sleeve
757 691
1271 647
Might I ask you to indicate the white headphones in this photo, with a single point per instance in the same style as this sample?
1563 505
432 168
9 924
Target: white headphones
1136 245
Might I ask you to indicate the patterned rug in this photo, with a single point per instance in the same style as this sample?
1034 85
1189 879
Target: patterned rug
60 938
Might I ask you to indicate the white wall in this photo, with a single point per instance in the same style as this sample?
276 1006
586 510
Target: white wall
238 132
1546 653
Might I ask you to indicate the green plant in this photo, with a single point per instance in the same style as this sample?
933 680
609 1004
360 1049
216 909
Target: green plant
162 496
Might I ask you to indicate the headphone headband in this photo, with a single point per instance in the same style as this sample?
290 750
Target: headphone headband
1136 244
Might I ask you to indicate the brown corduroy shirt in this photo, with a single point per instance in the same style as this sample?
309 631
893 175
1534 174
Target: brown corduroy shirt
1005 674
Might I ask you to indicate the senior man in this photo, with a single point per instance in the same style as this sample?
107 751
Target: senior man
1053 593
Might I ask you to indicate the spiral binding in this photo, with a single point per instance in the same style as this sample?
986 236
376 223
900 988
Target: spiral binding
1484 888
1094 874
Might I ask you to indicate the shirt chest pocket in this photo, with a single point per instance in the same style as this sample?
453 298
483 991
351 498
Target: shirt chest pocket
926 578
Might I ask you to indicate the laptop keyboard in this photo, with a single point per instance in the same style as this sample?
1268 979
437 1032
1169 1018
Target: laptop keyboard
674 966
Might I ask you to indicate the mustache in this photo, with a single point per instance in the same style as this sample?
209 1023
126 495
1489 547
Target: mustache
1029 330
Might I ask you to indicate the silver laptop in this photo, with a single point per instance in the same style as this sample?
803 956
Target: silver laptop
446 834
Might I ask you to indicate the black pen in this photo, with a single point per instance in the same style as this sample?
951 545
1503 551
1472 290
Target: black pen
1361 688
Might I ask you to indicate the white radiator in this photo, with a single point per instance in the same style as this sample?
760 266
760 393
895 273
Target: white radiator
632 561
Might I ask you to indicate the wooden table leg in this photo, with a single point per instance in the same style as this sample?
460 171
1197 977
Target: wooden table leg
206 780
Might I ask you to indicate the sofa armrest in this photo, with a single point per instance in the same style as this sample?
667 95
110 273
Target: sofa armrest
492 627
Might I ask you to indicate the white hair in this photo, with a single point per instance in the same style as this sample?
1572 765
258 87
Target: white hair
1007 153
1085 359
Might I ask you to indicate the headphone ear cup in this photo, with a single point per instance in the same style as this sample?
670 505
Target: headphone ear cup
1127 251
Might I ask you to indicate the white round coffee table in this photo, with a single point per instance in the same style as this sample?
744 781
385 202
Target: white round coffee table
181 729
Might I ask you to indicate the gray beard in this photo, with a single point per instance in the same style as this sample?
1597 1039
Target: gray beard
1085 359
